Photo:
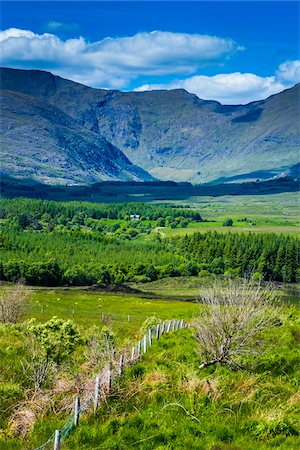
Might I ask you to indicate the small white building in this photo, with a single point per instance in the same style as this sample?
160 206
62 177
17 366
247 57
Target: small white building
135 217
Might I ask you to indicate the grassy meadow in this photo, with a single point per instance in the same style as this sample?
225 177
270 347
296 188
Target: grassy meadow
276 213
165 400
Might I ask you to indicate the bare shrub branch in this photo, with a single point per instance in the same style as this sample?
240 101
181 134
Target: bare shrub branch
36 366
233 317
12 303
100 347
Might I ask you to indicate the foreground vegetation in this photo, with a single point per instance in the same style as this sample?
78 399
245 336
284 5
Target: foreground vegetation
165 400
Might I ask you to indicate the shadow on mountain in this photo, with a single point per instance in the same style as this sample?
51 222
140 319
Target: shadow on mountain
251 116
111 191
260 175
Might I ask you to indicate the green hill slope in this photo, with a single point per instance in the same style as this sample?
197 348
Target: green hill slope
167 402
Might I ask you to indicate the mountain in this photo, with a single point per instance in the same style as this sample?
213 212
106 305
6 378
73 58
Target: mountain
173 134
40 141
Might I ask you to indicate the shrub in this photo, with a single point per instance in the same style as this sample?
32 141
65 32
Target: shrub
228 223
58 338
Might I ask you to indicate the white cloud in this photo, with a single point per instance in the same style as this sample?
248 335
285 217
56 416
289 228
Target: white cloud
289 71
235 88
113 62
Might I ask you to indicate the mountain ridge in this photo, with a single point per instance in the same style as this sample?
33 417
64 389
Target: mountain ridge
174 134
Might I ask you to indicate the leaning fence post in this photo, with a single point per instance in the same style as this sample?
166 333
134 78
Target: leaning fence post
157 332
139 349
121 362
169 326
57 440
150 336
132 355
97 393
162 330
145 343
77 411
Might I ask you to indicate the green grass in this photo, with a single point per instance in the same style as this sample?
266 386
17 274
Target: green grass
277 213
164 401
190 288
86 307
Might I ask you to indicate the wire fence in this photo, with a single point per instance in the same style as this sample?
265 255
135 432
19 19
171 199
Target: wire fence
77 313
99 389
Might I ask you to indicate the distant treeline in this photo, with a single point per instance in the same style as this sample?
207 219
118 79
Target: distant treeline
39 247
271 256
35 209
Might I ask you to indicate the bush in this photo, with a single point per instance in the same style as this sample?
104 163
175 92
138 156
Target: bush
58 338
228 223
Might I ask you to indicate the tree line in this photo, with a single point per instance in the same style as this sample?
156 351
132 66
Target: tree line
32 209
83 259
269 256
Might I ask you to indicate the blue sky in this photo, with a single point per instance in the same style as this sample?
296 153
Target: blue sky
233 52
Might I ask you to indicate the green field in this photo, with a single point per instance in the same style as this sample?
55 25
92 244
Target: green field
88 307
277 213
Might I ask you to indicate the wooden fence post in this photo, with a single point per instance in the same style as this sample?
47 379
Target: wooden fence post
181 323
132 355
157 332
162 328
169 326
139 349
150 336
97 393
121 363
145 343
77 411
57 440
128 317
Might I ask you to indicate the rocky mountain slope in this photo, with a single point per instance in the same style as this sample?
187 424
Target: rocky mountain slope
173 134
39 141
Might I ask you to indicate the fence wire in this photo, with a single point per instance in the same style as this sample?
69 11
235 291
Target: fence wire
108 375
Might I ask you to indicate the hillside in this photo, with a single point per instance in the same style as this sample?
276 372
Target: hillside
174 134
163 401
